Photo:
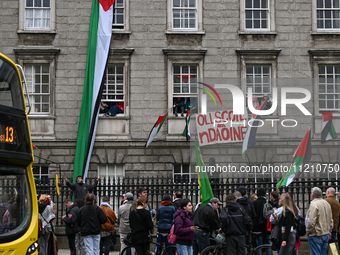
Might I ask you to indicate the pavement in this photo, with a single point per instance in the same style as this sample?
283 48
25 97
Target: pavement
67 252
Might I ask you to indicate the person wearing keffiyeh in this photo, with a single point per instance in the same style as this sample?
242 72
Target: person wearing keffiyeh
46 215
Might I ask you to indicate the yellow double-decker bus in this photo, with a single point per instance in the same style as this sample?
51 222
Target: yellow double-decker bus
18 199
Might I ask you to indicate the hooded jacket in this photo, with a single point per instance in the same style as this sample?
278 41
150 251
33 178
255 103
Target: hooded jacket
71 220
247 205
81 189
235 220
183 223
108 226
165 216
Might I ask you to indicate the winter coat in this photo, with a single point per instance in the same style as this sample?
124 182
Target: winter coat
141 225
183 223
123 215
71 220
235 220
80 190
90 219
247 206
206 218
258 206
109 225
165 216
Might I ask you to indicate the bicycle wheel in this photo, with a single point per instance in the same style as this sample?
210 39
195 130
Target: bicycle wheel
171 250
262 249
124 251
214 250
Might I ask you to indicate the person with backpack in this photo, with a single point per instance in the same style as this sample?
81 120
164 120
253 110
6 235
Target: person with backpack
141 225
260 225
184 228
72 227
235 225
164 216
108 227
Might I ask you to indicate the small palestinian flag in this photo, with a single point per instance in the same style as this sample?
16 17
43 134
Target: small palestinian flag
301 158
156 128
328 131
250 136
186 131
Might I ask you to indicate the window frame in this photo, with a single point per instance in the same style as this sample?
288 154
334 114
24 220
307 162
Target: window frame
122 57
40 175
22 19
322 57
183 57
40 56
191 174
271 20
199 20
126 24
315 18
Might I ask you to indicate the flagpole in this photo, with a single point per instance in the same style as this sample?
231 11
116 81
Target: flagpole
291 162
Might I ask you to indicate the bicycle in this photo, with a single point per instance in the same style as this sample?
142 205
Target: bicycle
221 249
171 250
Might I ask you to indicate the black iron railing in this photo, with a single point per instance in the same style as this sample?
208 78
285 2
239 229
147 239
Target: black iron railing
159 186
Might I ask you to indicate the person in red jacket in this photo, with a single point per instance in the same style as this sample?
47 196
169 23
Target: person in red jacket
117 108
108 227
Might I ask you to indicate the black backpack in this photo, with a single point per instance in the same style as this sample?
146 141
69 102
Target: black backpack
267 210
300 226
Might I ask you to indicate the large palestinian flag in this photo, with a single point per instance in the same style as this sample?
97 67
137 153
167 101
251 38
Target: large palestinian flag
301 158
155 129
203 179
250 136
328 131
98 48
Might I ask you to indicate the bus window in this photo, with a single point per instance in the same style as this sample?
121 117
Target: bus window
15 211
10 88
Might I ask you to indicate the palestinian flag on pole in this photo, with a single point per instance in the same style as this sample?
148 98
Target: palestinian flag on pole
250 136
203 180
97 53
301 158
328 131
155 129
186 131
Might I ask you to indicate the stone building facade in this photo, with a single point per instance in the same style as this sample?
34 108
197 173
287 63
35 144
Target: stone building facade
159 49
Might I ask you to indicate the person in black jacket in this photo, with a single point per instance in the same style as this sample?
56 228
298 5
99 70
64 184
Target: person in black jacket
90 219
80 189
235 225
206 219
260 225
287 225
248 207
274 199
72 227
141 225
177 201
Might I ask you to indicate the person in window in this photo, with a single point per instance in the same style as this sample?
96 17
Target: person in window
268 103
104 107
191 104
117 108
179 104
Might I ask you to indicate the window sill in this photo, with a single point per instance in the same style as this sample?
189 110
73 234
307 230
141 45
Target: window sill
121 32
184 32
36 116
120 117
257 32
36 31
321 33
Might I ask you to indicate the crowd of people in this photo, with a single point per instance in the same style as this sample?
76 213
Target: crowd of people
243 222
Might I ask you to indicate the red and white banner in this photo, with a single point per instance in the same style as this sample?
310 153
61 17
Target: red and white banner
220 127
